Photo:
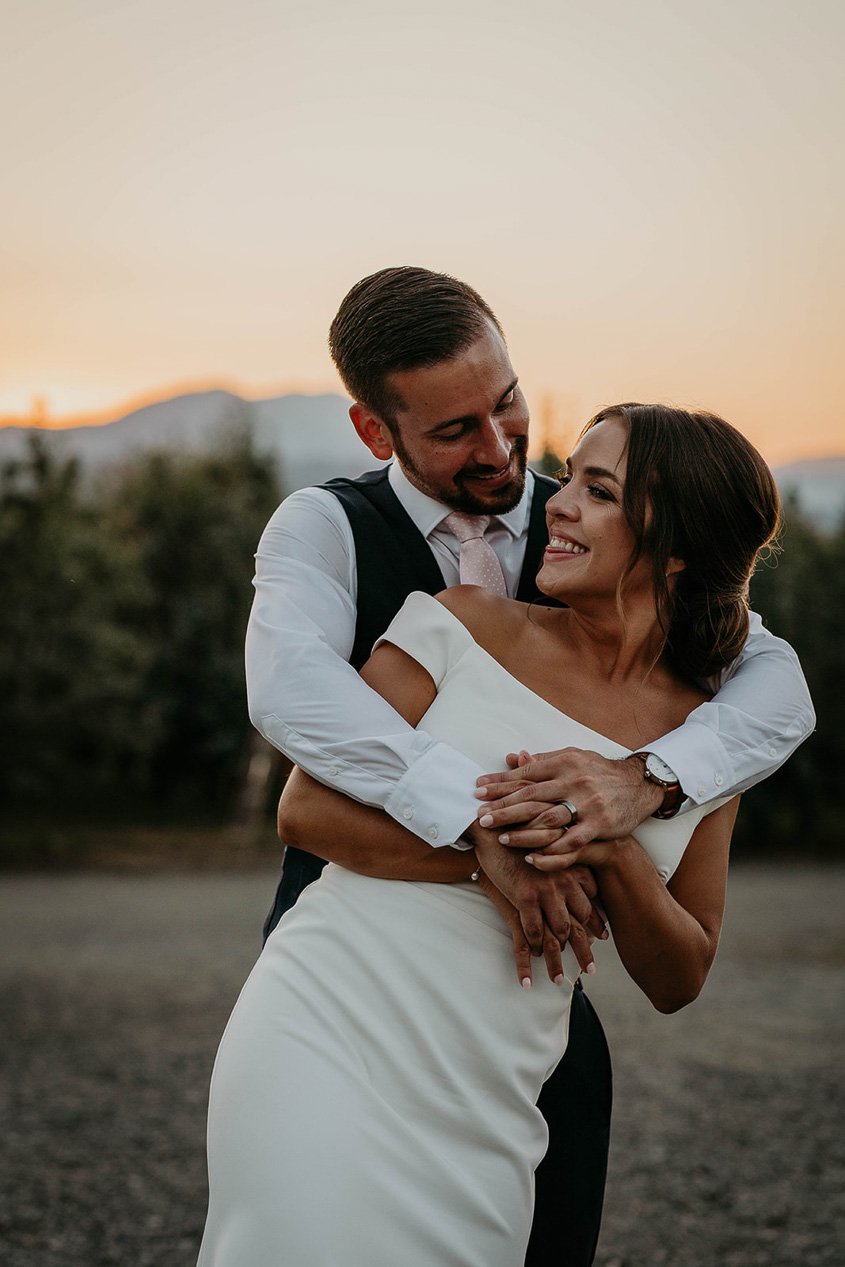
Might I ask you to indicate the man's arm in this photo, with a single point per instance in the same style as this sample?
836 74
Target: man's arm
760 714
309 702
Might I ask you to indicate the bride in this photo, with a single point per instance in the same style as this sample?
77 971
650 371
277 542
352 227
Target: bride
373 1101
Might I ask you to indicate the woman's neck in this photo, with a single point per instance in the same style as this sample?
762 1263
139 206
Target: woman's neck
614 648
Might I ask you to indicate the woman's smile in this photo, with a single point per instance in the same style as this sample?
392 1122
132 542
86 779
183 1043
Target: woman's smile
563 546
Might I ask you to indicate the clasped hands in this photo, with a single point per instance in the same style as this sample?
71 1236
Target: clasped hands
543 879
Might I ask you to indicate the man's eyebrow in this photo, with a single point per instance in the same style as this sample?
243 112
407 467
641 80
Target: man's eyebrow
597 472
453 422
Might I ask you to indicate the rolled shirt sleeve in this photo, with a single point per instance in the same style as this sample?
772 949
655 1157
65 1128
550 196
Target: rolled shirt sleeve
760 714
308 701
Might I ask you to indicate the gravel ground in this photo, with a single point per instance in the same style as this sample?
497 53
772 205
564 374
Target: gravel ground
728 1142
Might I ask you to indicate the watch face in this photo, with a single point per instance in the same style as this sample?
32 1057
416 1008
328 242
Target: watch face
660 770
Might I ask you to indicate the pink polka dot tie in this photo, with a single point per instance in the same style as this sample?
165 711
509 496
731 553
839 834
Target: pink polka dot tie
479 563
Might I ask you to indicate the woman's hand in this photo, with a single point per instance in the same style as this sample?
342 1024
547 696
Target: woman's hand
559 855
552 952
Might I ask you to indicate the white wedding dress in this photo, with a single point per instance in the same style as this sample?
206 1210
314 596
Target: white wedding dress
373 1099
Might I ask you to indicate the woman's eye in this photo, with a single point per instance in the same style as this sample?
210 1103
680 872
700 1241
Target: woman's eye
601 493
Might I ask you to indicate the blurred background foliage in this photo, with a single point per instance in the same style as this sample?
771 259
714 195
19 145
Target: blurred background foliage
122 701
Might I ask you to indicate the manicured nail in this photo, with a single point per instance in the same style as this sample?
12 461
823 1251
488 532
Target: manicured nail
604 934
529 858
526 983
590 969
481 793
486 820
559 979
503 840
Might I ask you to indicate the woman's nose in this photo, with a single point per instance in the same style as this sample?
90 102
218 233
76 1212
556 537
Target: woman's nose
562 504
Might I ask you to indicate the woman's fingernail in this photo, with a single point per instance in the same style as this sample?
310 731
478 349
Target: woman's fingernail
486 820
590 969
481 793
526 983
559 979
503 840
529 858
604 934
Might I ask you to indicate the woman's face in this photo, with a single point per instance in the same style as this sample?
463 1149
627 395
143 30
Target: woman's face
590 540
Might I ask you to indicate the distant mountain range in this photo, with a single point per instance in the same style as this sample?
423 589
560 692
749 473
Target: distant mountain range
311 439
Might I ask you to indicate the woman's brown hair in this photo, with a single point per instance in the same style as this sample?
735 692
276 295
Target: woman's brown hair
696 490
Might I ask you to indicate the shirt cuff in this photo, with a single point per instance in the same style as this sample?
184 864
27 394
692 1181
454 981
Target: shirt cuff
703 773
435 800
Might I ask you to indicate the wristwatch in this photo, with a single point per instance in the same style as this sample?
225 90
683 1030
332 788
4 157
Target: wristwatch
657 771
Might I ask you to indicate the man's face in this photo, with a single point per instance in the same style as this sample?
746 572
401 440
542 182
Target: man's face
462 436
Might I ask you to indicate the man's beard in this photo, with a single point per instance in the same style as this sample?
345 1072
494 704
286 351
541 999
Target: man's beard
457 496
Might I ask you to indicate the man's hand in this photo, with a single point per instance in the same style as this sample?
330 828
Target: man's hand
560 905
612 799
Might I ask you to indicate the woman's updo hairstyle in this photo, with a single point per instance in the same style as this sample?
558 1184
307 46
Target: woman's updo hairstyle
696 490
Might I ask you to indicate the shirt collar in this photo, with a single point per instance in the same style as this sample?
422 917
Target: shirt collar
427 512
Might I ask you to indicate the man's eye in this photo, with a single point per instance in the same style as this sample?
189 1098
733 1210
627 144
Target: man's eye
563 478
506 401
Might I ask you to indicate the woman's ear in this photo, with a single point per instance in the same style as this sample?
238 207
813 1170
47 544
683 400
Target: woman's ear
674 566
372 431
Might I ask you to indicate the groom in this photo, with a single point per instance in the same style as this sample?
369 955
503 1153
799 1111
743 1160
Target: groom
425 361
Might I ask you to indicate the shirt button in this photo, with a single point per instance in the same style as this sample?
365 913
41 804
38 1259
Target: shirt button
433 833
408 812
702 790
773 752
718 780
333 771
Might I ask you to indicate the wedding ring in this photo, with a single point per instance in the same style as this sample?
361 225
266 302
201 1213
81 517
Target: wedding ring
573 811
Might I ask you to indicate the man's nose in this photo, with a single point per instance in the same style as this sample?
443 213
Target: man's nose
493 448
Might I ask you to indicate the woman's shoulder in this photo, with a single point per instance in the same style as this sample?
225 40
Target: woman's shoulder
489 618
679 695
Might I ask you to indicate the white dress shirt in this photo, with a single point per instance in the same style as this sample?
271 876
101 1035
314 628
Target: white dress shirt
308 701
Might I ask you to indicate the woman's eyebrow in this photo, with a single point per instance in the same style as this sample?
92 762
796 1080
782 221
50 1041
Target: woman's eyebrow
597 472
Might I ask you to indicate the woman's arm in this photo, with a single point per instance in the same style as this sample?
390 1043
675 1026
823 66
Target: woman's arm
666 935
327 823
363 839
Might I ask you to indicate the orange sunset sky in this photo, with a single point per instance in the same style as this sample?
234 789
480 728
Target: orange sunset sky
649 194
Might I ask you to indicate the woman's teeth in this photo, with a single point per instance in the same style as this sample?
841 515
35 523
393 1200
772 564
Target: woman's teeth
568 546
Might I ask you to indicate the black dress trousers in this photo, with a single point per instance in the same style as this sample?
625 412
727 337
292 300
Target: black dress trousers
576 1103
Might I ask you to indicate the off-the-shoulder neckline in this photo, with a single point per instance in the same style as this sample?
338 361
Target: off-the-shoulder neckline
588 730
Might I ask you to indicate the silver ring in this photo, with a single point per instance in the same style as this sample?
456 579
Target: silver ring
573 811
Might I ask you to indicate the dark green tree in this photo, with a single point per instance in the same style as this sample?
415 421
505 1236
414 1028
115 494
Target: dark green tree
71 656
194 524
800 594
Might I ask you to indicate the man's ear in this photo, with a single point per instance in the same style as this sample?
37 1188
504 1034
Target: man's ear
372 431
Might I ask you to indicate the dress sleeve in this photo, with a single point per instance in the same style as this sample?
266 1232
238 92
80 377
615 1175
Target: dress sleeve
429 633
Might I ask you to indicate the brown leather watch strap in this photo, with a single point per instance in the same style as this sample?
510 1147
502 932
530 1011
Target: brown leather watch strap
672 792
